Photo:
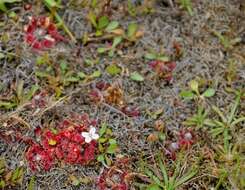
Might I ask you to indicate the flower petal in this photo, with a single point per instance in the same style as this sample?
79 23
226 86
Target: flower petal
85 134
92 130
88 139
95 136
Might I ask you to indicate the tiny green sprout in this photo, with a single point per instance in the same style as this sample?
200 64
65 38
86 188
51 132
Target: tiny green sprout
225 41
135 76
199 119
227 122
116 41
160 179
3 3
113 69
59 77
230 166
195 93
112 26
10 178
100 24
187 5
21 96
52 5
157 56
131 8
107 145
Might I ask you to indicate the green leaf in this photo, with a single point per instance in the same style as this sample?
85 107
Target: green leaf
162 136
103 22
2 182
150 56
98 33
94 3
163 170
2 164
112 26
4 9
31 92
108 160
103 129
2 4
132 29
41 60
221 115
71 79
41 74
113 69
236 121
209 123
136 77
103 140
19 90
153 187
215 132
187 94
51 3
7 105
101 158
31 183
185 178
116 41
102 50
111 53
88 62
74 180
12 14
234 108
194 86
2 55
81 74
163 58
187 4
209 92
17 174
112 147
112 141
95 74
92 19
63 66
131 8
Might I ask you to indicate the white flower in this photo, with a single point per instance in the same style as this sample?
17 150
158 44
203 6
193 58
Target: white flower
91 135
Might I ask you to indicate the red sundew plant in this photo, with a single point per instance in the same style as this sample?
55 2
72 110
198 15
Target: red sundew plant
171 150
131 111
104 91
186 138
113 179
39 100
163 69
72 143
101 85
39 158
41 33
116 177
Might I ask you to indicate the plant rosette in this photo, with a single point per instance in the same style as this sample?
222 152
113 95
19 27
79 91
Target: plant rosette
113 179
163 68
73 144
186 138
41 33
